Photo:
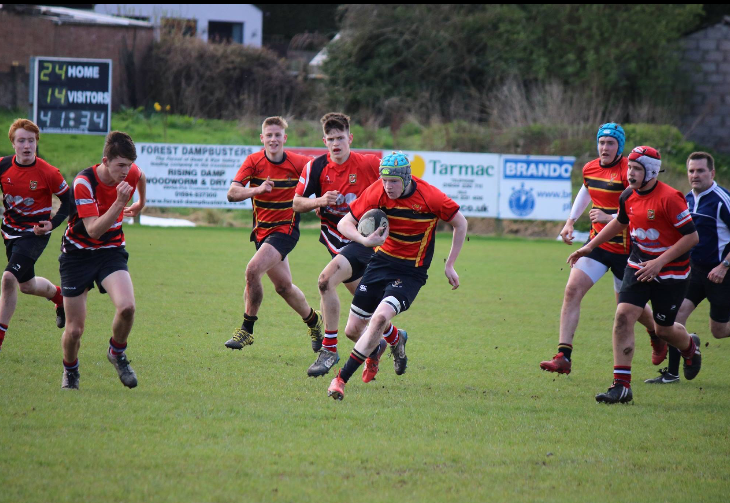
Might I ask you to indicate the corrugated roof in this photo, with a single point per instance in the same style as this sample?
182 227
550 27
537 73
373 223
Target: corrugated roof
66 15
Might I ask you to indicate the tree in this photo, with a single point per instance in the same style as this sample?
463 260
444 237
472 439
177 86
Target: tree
444 60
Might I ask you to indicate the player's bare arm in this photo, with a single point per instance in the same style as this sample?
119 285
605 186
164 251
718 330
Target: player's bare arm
135 208
303 204
567 233
599 216
612 228
459 225
650 269
97 226
237 192
348 228
717 274
46 226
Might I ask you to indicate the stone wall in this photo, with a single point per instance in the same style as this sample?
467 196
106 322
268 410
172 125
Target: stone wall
706 55
23 36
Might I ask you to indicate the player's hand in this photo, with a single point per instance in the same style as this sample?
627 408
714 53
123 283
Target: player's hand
377 238
452 277
717 275
316 212
329 198
133 210
582 252
267 186
598 216
124 192
567 233
43 227
649 270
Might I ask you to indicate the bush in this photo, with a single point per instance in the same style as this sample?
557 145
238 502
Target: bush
229 81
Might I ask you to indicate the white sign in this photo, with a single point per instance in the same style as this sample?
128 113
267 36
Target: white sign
471 180
483 185
193 176
535 187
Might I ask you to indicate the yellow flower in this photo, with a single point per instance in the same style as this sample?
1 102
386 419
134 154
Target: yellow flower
167 108
157 107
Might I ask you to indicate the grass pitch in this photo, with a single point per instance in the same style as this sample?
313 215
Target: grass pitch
473 418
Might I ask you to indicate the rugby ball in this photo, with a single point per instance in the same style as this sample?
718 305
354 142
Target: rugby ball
371 221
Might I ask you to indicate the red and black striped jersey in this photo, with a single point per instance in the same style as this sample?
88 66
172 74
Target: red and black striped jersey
412 220
657 219
350 179
28 194
93 199
605 186
272 211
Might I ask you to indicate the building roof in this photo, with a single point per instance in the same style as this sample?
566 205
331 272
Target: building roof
62 15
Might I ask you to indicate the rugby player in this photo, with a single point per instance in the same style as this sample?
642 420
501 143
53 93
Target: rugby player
604 179
398 270
28 184
662 234
709 205
93 251
336 179
272 176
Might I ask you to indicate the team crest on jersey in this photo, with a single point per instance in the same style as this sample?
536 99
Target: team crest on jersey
613 177
33 185
416 207
650 214
353 178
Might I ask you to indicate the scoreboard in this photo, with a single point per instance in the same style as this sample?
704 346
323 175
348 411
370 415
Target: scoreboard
72 95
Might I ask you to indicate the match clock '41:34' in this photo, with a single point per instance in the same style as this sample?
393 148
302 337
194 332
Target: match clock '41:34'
72 95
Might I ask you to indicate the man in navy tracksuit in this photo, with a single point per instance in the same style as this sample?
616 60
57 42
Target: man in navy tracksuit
709 205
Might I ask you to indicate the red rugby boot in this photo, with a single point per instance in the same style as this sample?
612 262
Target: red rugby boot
337 388
559 364
659 351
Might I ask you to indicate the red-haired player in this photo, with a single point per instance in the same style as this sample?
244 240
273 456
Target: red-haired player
662 234
28 184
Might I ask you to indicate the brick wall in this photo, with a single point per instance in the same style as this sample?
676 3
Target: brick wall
706 55
23 36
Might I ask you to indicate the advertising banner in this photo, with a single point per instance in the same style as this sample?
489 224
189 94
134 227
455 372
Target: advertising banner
471 180
484 185
198 176
535 187
191 176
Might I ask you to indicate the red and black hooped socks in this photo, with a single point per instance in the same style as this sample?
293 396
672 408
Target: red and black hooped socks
330 340
353 363
622 375
391 335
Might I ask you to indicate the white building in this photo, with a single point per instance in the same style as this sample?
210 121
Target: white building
241 23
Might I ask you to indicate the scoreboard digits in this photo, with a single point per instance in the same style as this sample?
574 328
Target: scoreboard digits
72 95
